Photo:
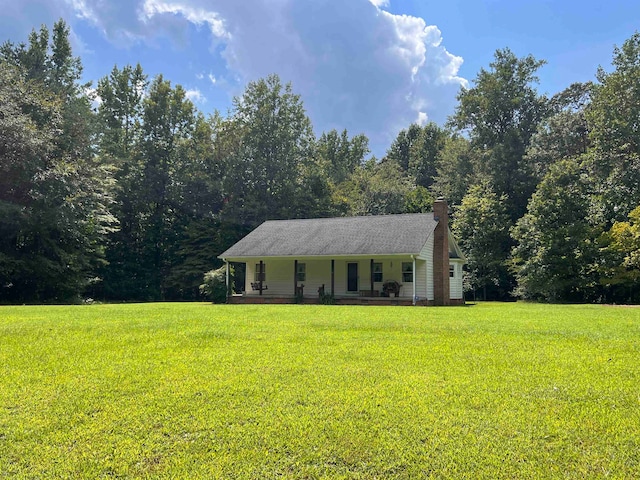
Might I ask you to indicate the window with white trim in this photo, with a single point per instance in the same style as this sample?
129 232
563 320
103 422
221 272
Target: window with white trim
377 272
256 273
301 272
407 272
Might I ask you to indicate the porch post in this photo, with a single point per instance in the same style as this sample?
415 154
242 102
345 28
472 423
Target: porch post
227 280
371 276
260 276
295 277
414 279
333 269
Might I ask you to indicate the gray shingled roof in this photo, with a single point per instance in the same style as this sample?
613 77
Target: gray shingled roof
375 235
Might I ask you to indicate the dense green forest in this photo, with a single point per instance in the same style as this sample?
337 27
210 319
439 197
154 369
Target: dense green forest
132 197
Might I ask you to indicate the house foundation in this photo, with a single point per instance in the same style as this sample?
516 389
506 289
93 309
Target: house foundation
284 300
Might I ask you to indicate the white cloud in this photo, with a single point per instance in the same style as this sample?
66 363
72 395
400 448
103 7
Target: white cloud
380 3
195 15
83 10
199 76
422 119
195 96
355 65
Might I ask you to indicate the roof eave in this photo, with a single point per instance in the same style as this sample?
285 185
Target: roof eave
327 256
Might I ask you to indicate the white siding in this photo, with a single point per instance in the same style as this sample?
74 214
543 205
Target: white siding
391 270
427 254
455 282
421 279
340 277
318 273
279 275
249 277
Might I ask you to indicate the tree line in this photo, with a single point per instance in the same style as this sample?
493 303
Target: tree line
127 192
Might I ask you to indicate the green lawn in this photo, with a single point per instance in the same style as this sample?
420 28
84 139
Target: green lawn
296 391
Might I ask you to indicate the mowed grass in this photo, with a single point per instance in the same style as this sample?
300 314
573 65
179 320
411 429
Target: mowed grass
295 391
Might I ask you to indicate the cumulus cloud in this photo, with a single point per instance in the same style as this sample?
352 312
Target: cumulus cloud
83 10
195 96
196 15
356 65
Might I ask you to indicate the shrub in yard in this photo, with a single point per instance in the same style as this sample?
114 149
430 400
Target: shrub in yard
214 287
327 299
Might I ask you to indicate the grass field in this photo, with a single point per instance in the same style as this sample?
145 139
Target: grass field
295 391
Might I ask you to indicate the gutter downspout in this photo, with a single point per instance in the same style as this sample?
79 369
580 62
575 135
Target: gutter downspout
226 276
414 279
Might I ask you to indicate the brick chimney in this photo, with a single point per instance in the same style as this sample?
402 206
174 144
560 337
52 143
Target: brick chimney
441 253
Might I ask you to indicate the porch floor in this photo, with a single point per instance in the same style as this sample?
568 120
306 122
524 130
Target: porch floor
339 300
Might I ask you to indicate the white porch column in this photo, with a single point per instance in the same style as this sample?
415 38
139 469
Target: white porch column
414 279
227 278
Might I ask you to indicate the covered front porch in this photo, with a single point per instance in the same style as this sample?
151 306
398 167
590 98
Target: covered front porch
352 280
240 299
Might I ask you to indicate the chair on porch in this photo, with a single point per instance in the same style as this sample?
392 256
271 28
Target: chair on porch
256 286
389 287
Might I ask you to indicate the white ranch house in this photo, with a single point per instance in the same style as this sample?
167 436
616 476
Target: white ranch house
384 259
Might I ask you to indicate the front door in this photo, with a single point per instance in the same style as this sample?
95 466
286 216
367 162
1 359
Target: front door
352 277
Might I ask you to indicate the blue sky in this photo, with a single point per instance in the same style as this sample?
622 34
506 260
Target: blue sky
370 66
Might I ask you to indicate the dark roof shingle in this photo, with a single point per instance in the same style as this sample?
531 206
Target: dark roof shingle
375 235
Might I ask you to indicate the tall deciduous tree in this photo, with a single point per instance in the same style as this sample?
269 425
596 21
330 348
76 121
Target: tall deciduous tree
455 172
481 224
564 134
614 121
169 123
338 155
417 151
424 155
623 246
400 149
119 141
501 112
164 156
378 189
59 198
120 114
557 246
199 200
25 154
266 145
